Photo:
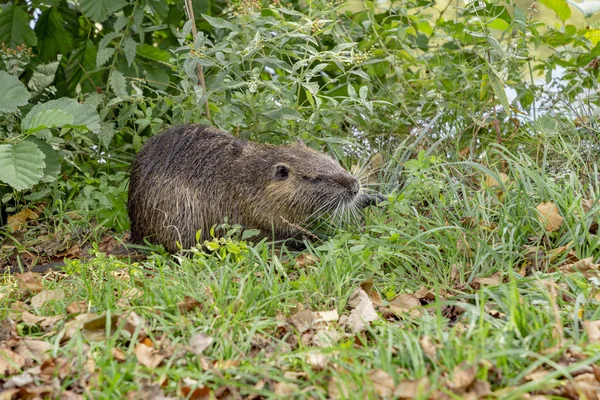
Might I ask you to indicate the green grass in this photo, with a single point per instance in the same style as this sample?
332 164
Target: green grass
445 229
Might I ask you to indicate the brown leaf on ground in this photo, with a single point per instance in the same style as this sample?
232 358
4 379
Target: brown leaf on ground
72 252
302 320
463 376
8 330
188 304
406 303
10 362
428 347
374 295
132 322
549 216
44 296
107 244
148 356
118 354
493 280
592 328
196 393
306 260
382 382
325 316
226 364
584 266
46 323
412 389
492 182
200 342
285 389
317 360
19 220
77 307
33 350
339 389
362 314
29 282
55 367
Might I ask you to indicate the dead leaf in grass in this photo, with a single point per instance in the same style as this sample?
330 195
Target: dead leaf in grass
46 323
19 220
463 376
549 216
302 320
30 282
406 303
8 330
17 381
55 367
583 266
374 295
197 393
148 356
10 362
77 307
118 354
493 280
592 328
134 323
72 252
339 389
33 350
44 296
306 260
188 304
382 382
492 182
226 364
316 360
412 389
363 312
325 316
429 348
285 389
200 342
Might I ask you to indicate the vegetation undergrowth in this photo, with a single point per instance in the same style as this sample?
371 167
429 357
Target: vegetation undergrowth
477 278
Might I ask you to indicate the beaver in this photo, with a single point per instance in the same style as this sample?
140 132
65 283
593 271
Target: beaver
190 178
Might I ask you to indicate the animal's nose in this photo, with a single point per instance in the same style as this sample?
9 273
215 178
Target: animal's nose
354 188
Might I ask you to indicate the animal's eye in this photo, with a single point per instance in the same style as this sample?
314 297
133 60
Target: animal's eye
282 172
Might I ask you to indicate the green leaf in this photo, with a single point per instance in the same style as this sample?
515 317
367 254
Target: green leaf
14 93
83 116
498 87
157 77
118 84
220 23
153 53
43 76
129 47
14 27
21 165
103 56
81 62
284 113
99 10
52 160
53 38
560 8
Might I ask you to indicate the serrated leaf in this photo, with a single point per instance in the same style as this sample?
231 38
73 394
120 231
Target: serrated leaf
104 55
106 133
81 62
118 84
52 160
363 92
560 8
52 36
220 23
46 119
284 113
99 10
153 53
14 93
129 47
21 165
157 77
43 76
83 116
498 88
14 27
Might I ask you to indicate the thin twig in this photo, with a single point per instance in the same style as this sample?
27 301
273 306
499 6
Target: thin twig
189 11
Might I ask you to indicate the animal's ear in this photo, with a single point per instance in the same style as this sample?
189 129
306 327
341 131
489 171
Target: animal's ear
282 172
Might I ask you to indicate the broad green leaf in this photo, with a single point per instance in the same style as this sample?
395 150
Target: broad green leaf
157 77
220 23
129 46
53 38
14 27
153 53
560 8
118 84
83 116
498 88
499 24
52 160
99 10
284 113
14 93
46 119
593 36
43 76
80 63
103 56
21 165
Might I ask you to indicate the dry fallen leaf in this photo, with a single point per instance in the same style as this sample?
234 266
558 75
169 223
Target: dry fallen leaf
412 389
134 323
33 350
463 376
285 389
429 348
197 393
316 360
77 307
493 280
30 282
46 323
44 296
302 320
363 312
584 266
118 354
548 215
492 182
339 389
406 303
368 287
10 362
592 328
19 220
306 260
325 316
200 342
188 304
148 356
382 382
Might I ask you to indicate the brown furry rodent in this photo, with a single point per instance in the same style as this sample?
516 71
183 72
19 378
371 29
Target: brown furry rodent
189 178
